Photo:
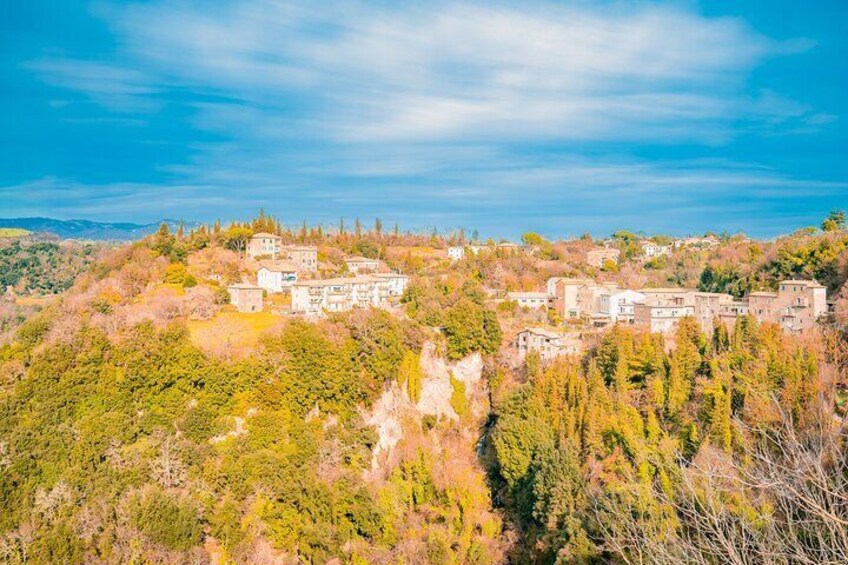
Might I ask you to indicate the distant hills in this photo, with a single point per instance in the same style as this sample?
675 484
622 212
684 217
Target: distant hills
86 229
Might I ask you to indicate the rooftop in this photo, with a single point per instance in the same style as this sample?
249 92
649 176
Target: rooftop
244 286
266 235
278 266
528 295
542 332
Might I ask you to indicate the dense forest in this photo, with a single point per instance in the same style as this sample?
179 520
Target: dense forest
42 267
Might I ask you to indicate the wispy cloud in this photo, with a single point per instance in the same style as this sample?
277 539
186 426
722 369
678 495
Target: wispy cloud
445 71
458 111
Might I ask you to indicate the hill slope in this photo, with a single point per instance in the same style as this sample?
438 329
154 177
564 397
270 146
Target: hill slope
86 229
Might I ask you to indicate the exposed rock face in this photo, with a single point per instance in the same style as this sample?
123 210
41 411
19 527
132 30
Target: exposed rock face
394 407
436 387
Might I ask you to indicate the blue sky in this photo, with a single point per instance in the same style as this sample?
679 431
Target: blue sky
559 117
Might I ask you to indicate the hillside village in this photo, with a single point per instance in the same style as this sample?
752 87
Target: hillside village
572 307
255 393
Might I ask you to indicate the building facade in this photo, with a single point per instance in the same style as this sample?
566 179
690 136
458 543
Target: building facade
246 298
531 300
276 276
304 257
652 250
617 305
456 253
359 265
548 344
661 314
264 244
343 294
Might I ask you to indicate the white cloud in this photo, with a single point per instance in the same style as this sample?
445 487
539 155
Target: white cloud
446 71
436 111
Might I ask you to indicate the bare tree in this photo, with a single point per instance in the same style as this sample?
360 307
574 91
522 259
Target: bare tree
785 501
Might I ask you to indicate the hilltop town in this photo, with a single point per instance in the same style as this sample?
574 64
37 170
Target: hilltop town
255 393
571 307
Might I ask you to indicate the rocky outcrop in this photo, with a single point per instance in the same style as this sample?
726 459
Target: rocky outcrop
394 408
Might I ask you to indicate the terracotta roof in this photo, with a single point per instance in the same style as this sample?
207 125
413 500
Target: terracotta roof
266 235
244 286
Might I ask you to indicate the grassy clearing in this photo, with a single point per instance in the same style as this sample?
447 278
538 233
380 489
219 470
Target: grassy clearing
232 330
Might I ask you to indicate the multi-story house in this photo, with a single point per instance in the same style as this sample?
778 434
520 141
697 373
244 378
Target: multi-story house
264 244
245 297
531 300
708 306
548 344
651 250
799 304
566 300
305 257
276 276
342 294
456 253
661 314
617 305
391 285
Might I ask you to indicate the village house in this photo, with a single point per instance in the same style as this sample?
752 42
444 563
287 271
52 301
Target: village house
359 265
548 344
730 311
795 306
264 244
661 313
589 298
708 306
802 303
531 300
276 276
566 299
617 305
598 256
343 294
246 298
391 285
652 250
304 257
456 253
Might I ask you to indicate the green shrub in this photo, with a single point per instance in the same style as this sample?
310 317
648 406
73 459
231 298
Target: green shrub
172 523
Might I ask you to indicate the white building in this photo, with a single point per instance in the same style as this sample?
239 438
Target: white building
618 305
531 300
343 294
276 276
456 253
392 284
652 250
